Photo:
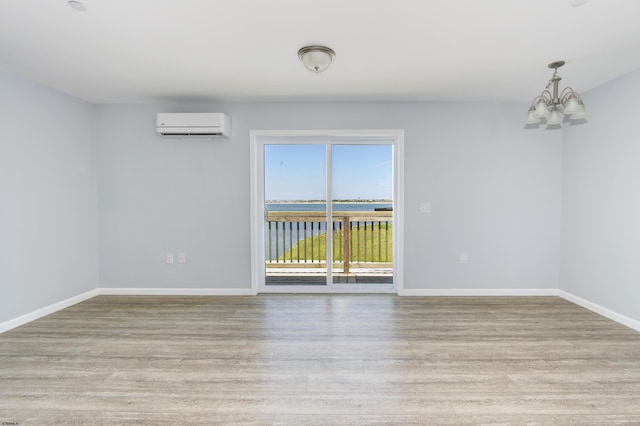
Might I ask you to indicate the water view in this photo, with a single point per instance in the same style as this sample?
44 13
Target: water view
357 241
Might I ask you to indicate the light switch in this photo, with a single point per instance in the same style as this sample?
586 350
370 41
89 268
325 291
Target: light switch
182 258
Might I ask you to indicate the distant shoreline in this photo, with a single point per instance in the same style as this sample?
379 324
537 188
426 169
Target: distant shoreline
324 202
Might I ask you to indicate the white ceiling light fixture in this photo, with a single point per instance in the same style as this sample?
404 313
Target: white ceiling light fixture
77 5
316 58
549 107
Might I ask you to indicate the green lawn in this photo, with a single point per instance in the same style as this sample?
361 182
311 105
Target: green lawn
372 245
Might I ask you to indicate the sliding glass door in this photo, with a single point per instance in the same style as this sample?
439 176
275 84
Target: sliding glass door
308 244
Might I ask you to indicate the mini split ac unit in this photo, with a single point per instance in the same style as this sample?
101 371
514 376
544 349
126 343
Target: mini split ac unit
193 125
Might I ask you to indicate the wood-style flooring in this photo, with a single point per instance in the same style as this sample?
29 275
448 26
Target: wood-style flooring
321 360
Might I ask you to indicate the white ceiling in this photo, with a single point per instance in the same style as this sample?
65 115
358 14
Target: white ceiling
246 50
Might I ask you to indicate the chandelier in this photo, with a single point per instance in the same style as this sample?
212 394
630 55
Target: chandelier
557 106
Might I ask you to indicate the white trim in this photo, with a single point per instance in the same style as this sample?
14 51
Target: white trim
323 289
479 292
371 134
47 310
398 212
108 291
256 193
328 147
607 313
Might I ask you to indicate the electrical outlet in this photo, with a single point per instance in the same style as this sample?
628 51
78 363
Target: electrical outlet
425 207
464 258
182 258
169 257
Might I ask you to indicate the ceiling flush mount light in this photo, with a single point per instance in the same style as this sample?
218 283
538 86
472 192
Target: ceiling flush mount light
550 107
77 5
316 58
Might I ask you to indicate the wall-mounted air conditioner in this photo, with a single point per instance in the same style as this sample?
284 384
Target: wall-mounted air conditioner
193 125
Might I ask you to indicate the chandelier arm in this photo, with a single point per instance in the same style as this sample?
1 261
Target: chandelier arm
537 99
567 91
568 88
542 96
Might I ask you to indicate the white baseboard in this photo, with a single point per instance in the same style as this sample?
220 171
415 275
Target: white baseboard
47 310
480 292
175 291
607 313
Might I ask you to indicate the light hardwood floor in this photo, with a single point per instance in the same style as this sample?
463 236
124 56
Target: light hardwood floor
321 360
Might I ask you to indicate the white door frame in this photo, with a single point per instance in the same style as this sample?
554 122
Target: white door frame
258 138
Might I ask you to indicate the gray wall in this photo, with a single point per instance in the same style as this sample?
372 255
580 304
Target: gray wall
601 200
494 189
48 204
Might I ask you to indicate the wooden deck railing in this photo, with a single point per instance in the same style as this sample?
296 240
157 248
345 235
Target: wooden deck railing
360 239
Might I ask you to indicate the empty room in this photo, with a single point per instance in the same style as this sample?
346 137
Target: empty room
236 212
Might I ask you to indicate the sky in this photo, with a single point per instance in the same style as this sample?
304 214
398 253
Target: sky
298 172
